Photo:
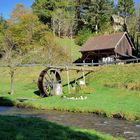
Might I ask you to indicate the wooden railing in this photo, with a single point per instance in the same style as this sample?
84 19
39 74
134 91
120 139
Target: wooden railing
78 64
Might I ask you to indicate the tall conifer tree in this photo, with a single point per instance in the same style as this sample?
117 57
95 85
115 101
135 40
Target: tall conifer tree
126 9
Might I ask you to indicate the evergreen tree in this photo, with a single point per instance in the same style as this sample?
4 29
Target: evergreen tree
43 9
78 13
126 9
91 14
138 19
97 13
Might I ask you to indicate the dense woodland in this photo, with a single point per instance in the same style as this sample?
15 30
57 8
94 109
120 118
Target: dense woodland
29 35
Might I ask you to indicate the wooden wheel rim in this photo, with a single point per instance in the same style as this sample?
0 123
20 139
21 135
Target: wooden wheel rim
47 78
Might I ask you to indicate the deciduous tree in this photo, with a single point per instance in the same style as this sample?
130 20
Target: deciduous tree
21 35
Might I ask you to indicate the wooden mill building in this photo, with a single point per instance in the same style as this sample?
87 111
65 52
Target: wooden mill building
111 47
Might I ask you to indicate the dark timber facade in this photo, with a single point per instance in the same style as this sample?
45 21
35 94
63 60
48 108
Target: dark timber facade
108 48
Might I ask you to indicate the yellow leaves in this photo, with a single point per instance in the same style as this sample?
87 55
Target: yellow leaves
25 28
18 12
47 39
29 35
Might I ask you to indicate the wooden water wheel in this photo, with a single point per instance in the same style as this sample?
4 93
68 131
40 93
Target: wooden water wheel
46 81
49 81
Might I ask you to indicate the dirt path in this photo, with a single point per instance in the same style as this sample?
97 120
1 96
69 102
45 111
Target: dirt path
115 127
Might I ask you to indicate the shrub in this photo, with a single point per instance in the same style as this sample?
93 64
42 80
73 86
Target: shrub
83 36
130 85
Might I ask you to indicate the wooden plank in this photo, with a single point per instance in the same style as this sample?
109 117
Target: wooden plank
78 68
68 80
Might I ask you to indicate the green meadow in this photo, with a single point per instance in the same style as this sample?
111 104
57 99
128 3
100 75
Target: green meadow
113 91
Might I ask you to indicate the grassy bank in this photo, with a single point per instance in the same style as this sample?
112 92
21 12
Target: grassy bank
71 48
17 128
115 91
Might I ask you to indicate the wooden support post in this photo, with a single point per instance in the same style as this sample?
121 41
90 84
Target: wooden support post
137 60
84 62
84 76
68 79
92 62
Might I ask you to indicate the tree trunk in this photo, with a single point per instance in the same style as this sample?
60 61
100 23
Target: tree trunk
71 33
53 26
71 37
12 75
78 16
125 25
59 28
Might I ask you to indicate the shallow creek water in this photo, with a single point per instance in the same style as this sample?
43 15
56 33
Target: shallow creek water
127 129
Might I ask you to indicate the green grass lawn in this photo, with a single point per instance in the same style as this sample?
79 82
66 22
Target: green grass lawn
116 91
19 128
70 47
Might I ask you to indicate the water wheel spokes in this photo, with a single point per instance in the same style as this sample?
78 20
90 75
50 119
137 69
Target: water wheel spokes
46 81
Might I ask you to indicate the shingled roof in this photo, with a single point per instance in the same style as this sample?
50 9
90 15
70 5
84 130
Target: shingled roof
104 42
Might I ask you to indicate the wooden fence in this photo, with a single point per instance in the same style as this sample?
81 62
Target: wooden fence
78 64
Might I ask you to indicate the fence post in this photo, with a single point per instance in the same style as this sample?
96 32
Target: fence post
68 79
83 73
92 62
84 62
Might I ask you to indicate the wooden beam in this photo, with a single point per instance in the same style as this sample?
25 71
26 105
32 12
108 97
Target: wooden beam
66 68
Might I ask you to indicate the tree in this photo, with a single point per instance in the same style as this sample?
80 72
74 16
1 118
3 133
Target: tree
138 18
96 13
57 14
44 9
26 28
53 53
126 9
25 35
64 19
2 27
83 36
12 56
80 13
12 53
21 35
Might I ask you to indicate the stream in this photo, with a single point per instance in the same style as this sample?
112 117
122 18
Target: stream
127 129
